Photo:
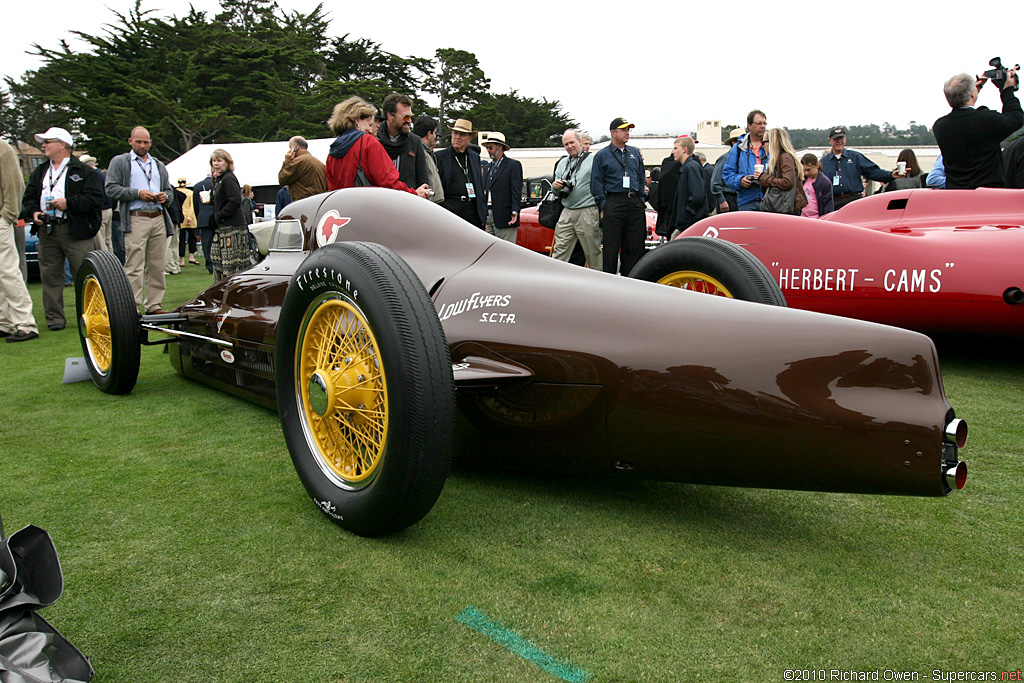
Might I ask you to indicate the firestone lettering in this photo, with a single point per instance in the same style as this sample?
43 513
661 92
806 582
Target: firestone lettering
474 302
322 277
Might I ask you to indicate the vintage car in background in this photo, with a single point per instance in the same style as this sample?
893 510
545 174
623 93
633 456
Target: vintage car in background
376 314
535 237
935 261
31 247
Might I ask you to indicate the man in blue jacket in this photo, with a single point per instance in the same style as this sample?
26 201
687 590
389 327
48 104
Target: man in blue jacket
738 173
844 168
618 183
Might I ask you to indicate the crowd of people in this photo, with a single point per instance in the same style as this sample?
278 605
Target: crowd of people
133 210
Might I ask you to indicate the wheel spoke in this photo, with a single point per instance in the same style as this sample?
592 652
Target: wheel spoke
341 354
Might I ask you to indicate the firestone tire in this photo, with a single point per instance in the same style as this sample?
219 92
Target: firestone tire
365 388
710 266
108 323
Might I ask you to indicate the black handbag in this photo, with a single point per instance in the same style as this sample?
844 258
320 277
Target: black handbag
360 180
550 210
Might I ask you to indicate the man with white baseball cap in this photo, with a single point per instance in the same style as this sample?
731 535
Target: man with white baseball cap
63 202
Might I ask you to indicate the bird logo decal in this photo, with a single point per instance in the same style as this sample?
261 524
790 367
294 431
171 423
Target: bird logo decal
327 230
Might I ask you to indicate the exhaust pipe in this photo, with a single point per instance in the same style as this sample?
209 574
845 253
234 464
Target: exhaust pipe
956 432
956 476
1013 296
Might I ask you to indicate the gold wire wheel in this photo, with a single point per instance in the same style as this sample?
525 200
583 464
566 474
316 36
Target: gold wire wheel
96 325
696 282
341 381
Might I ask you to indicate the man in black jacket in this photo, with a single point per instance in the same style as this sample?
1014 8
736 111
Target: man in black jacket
969 138
405 149
691 200
668 178
503 180
459 168
63 201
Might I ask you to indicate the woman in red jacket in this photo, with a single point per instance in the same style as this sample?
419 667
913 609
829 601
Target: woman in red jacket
355 149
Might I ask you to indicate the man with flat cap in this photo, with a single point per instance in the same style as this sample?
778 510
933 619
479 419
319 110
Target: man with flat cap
459 168
617 181
503 180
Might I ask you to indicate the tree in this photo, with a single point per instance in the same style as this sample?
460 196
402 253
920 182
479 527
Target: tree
458 81
163 74
727 130
526 122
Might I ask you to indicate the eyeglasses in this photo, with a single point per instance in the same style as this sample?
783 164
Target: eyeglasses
406 118
49 142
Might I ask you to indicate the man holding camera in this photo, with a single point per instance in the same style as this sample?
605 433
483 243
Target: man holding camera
969 138
63 201
579 221
303 173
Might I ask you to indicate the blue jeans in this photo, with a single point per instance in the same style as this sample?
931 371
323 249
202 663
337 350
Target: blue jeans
750 206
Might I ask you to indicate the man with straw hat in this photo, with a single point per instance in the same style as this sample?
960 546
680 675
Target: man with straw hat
504 184
459 168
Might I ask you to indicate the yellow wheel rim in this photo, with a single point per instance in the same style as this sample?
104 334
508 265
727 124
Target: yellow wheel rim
340 378
696 282
96 325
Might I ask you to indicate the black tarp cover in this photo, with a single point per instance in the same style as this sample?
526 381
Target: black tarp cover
31 650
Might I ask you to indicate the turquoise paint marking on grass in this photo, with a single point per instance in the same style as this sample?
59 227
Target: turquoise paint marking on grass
515 643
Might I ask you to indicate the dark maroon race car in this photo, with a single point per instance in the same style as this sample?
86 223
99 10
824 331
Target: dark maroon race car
376 314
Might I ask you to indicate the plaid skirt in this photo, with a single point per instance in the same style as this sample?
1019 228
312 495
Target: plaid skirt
230 250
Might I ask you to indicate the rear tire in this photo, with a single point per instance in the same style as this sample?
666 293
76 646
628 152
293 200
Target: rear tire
365 388
710 266
108 323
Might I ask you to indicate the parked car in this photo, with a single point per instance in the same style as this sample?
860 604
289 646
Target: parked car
376 314
31 250
936 261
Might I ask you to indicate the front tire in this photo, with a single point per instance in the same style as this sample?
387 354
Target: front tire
710 266
108 323
365 388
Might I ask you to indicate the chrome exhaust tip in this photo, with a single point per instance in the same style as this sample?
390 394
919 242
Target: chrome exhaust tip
956 476
1013 296
956 432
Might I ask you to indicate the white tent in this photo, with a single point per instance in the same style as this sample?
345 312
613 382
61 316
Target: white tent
256 163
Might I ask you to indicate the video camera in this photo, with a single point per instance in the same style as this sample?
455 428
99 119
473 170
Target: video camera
47 226
998 73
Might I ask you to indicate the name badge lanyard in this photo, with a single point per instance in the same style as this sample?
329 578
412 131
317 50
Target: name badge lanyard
839 165
625 173
148 174
53 183
470 189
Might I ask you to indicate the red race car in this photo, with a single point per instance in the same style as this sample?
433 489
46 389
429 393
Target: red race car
935 261
536 237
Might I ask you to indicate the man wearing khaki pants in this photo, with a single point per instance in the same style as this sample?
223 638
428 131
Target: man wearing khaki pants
140 185
16 321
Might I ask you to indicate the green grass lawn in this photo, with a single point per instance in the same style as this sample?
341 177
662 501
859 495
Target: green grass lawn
191 551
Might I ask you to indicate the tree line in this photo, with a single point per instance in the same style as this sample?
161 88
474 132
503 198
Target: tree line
253 72
872 135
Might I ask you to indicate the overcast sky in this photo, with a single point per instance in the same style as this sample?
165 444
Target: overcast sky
662 65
